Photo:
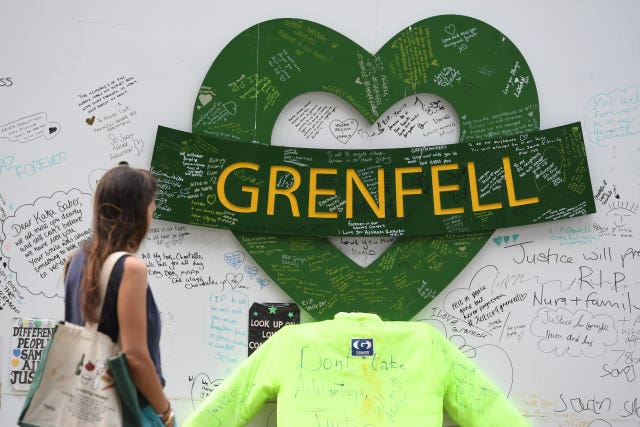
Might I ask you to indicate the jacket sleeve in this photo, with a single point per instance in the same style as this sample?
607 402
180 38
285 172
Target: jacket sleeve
241 395
470 398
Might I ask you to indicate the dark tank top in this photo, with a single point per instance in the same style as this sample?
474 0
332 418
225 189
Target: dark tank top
109 318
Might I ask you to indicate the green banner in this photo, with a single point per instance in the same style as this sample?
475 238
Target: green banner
420 191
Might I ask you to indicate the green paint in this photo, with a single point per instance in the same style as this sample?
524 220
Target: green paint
467 62
472 195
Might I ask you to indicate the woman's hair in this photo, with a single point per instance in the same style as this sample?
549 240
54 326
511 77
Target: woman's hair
120 223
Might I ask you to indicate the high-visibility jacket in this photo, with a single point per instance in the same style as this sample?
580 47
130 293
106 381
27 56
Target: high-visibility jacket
357 370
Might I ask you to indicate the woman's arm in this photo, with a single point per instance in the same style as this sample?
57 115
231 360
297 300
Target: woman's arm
132 318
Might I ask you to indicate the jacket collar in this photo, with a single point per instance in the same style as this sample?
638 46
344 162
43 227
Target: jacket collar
357 316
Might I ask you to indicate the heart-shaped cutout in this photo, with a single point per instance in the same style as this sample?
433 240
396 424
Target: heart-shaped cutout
418 120
412 271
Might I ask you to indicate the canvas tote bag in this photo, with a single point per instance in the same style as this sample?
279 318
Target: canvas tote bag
83 377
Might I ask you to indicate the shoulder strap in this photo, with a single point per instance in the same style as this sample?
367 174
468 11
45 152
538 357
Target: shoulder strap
105 273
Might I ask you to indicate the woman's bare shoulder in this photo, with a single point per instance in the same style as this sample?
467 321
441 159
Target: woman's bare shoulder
134 266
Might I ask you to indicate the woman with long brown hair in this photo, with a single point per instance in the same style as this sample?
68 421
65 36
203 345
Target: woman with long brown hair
122 212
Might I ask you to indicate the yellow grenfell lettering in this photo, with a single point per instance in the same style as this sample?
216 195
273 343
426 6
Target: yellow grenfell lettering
314 192
401 191
511 192
287 192
352 177
437 189
473 186
254 191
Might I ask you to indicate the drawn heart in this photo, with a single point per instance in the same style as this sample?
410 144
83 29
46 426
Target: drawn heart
412 271
251 271
94 177
343 130
201 386
494 361
476 304
262 282
234 259
230 108
16 352
52 129
499 239
234 279
205 98
90 120
138 143
485 356
545 176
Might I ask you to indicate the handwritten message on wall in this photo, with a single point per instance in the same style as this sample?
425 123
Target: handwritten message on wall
29 339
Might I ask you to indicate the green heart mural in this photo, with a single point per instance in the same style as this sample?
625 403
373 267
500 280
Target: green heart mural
463 60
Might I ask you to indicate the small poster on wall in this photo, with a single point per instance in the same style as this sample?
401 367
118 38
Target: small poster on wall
29 338
267 318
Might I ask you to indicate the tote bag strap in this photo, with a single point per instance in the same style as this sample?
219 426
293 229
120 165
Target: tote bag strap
105 273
